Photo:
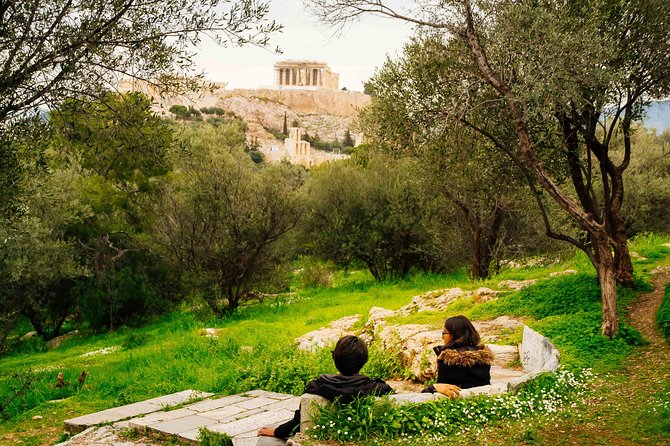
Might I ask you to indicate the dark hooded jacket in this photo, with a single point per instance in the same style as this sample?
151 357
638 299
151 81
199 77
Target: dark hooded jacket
343 388
464 367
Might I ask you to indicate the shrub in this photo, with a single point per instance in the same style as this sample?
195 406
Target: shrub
291 369
185 113
663 315
315 274
115 298
134 340
213 111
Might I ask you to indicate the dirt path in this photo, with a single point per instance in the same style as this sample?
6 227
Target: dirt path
642 314
619 414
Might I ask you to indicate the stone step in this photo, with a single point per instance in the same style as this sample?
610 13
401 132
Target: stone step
78 424
239 416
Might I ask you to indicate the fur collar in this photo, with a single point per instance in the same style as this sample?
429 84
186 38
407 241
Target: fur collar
466 358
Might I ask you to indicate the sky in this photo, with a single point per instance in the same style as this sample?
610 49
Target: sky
354 54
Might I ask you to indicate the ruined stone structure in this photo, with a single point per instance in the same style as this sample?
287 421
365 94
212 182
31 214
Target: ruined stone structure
305 74
298 151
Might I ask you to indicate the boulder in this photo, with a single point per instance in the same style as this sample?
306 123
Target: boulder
492 330
435 300
212 332
504 354
55 342
636 255
517 284
537 353
563 273
328 335
30 334
661 270
484 294
413 344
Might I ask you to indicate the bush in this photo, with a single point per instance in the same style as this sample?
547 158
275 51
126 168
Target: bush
663 315
116 298
213 111
185 113
315 274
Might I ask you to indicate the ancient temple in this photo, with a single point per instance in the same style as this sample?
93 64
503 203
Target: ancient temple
305 74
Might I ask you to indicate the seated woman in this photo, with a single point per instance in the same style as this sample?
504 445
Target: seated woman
462 362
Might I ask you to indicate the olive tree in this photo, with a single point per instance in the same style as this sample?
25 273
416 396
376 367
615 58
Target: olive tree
58 49
221 218
569 76
376 213
404 119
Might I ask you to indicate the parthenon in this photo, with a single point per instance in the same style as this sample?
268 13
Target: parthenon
305 74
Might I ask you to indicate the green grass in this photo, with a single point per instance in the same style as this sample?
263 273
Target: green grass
255 348
663 315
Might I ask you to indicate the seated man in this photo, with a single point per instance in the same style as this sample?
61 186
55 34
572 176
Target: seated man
350 355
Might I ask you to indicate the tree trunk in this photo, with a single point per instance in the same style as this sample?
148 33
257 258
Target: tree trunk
475 252
607 279
622 260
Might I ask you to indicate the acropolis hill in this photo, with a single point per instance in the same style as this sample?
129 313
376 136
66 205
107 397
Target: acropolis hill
320 110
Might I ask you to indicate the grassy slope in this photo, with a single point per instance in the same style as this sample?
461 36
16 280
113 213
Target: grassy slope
171 354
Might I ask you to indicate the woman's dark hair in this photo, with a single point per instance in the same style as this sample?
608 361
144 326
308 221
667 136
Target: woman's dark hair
463 333
350 355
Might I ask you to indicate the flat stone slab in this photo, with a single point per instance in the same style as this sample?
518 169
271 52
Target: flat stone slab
239 416
78 424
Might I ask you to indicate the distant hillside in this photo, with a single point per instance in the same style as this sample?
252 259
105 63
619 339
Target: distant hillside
658 116
322 113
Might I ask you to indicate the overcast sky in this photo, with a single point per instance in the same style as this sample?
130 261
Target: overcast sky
354 55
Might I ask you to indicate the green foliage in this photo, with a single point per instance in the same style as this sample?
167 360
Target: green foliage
384 363
134 340
75 49
315 274
117 137
663 315
221 220
370 417
562 295
383 220
567 310
212 111
209 438
290 372
347 141
186 113
116 298
647 205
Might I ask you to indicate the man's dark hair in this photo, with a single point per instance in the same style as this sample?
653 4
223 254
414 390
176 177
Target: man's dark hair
463 333
350 355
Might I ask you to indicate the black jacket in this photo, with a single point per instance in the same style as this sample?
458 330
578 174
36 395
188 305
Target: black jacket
464 367
344 388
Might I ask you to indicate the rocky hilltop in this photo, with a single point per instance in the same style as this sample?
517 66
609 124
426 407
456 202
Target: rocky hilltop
322 113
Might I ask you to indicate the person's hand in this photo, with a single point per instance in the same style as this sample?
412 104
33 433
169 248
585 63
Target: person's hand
449 390
266 432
